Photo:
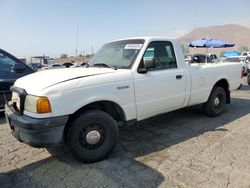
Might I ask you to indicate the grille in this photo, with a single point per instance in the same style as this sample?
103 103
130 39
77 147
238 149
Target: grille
22 95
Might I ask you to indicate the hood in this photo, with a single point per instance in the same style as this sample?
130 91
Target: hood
43 79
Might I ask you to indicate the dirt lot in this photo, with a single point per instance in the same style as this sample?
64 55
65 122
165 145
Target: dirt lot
184 148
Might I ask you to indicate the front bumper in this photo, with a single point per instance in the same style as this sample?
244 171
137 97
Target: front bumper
46 132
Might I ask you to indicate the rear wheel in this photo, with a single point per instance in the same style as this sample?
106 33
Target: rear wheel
92 136
216 102
248 79
243 71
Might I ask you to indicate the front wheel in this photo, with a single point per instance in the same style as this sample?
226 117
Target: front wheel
92 136
216 102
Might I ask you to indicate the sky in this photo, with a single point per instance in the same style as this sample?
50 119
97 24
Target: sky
37 27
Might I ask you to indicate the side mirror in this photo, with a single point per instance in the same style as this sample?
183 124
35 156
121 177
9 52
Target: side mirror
18 68
148 64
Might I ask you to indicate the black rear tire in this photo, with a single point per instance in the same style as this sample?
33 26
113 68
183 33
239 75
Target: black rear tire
248 78
216 102
92 136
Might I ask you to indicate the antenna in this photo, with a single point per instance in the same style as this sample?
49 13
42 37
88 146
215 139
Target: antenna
76 50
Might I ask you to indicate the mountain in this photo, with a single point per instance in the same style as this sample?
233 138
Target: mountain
237 34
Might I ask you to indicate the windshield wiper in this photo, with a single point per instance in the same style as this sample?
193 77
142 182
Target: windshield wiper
105 65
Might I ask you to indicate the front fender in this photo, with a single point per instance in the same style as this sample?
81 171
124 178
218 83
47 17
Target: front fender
69 102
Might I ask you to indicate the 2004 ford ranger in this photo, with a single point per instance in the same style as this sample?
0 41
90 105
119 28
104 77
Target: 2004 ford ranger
128 80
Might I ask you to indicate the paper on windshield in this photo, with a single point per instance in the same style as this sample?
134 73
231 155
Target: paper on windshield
133 46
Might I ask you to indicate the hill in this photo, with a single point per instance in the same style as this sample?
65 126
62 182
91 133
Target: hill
237 34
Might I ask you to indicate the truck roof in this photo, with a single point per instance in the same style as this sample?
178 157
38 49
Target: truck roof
146 38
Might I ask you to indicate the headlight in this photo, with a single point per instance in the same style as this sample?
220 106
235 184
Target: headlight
37 105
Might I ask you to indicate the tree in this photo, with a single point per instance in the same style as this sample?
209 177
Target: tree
184 49
243 48
64 56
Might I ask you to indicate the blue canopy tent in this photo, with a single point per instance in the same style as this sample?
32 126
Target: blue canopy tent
210 43
231 53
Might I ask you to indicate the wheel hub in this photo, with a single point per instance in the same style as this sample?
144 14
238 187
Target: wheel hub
93 137
216 101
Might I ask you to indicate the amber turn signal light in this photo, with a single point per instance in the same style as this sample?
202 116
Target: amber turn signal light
43 105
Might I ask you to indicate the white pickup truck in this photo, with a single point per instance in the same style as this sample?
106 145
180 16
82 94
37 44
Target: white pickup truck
128 80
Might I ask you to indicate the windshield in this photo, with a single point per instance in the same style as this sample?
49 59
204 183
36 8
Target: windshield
119 54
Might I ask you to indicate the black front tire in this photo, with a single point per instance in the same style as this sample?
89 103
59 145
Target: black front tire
92 136
216 102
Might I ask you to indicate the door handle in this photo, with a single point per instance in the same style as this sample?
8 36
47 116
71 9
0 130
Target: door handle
179 76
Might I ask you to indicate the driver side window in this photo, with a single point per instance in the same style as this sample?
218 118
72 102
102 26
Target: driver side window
162 53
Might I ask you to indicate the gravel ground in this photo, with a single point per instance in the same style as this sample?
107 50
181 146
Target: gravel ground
184 148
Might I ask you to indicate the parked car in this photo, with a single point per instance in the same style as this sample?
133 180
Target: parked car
248 63
79 64
11 68
239 59
35 66
55 66
214 57
204 58
68 64
245 53
82 108
188 58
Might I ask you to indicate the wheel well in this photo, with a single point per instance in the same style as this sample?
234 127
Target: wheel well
111 108
224 84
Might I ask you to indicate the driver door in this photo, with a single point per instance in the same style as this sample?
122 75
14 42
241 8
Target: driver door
163 87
